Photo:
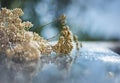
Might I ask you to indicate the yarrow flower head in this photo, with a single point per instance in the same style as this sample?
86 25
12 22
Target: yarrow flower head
15 41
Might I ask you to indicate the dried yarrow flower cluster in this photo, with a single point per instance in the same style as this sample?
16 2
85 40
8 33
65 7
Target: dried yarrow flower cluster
13 25
21 45
64 45
17 43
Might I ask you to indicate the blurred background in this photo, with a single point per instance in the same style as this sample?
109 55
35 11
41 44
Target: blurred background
90 20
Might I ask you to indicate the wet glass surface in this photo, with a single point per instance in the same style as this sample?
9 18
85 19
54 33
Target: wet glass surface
89 65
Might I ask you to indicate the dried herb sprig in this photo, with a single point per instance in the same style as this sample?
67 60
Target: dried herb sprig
64 44
15 41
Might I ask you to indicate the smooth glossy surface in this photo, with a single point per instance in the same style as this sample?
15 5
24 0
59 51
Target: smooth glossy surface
91 65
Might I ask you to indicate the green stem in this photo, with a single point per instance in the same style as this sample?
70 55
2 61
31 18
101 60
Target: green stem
38 29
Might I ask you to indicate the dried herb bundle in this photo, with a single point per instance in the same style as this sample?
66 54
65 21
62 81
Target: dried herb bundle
19 44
